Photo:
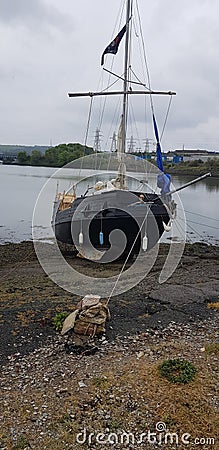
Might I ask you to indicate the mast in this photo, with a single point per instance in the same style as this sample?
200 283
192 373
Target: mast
122 168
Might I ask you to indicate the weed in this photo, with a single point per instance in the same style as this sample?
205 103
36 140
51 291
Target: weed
65 419
59 319
212 348
21 444
178 371
169 421
115 424
99 381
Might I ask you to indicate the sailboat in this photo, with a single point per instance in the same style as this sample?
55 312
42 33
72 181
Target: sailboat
109 220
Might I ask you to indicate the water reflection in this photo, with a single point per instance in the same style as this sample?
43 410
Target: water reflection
210 184
20 187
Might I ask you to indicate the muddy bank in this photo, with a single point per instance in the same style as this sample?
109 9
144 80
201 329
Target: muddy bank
29 299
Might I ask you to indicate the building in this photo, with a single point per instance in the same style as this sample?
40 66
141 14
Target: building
194 154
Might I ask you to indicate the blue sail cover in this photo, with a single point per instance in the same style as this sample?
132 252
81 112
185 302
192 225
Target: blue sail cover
163 179
159 153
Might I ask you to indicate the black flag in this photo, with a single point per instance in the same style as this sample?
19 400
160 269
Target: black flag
114 45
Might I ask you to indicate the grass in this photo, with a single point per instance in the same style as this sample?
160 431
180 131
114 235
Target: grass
21 443
212 348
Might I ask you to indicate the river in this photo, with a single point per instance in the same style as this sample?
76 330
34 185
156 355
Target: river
21 185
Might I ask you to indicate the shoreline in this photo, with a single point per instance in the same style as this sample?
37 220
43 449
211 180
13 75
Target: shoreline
183 171
30 299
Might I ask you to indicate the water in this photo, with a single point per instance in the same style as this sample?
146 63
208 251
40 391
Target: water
200 202
20 187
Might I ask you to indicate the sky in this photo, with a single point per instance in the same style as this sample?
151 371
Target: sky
52 47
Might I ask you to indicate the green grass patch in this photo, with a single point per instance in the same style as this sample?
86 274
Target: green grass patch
178 371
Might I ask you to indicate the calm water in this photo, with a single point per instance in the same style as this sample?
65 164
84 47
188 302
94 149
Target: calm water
20 187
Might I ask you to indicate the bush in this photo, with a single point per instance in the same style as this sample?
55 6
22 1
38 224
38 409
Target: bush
178 371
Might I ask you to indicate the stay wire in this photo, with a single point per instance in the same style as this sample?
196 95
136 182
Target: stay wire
148 73
195 231
119 19
201 215
197 223
127 258
166 117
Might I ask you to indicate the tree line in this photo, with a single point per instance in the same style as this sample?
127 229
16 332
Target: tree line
195 167
56 156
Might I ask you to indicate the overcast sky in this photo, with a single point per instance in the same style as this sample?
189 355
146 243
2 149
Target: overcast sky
51 47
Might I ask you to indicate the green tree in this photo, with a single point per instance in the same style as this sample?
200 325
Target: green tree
65 153
23 158
36 158
51 157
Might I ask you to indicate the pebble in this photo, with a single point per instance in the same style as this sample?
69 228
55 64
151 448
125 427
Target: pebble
48 373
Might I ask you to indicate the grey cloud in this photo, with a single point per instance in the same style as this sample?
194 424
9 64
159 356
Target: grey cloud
27 12
51 47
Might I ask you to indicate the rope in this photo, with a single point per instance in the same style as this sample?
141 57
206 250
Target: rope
201 215
139 81
166 117
118 20
126 260
110 85
198 223
148 73
144 51
195 231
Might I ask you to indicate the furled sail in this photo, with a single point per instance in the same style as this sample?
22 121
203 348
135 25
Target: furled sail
163 179
119 141
159 153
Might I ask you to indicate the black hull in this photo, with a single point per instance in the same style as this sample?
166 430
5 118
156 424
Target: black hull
111 219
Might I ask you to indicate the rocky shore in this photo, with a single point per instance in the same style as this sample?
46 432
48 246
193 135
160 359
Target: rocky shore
49 393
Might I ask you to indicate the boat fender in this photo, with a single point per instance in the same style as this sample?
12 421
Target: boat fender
101 238
81 238
144 243
168 226
99 185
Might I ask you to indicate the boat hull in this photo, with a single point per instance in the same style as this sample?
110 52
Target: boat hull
135 221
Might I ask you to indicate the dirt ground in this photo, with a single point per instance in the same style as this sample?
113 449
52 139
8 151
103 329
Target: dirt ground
30 300
51 396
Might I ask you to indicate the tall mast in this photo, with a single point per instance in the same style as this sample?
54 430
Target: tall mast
122 168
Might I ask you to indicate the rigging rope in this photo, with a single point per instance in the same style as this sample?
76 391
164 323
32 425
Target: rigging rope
198 223
201 215
144 51
127 258
195 231
165 120
118 19
148 73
